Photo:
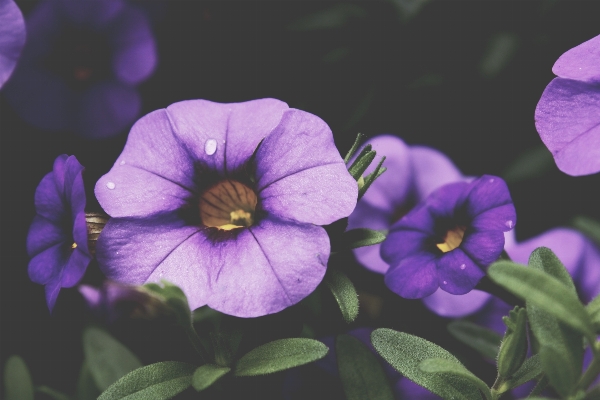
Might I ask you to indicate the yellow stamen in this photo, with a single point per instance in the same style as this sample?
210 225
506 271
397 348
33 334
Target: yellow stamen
73 246
453 239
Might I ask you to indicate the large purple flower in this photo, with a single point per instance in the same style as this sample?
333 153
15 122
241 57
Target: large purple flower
224 200
567 116
12 38
57 239
449 239
413 172
80 66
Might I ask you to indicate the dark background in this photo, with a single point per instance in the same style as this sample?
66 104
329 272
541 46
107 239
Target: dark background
376 70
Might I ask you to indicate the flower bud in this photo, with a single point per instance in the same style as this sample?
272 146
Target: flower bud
513 349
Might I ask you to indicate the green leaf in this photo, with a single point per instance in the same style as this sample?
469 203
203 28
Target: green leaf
344 293
158 381
362 162
557 366
280 355
361 237
531 369
106 357
369 179
593 309
544 259
485 341
17 380
86 387
543 291
225 345
533 163
206 375
442 365
589 226
405 352
355 145
361 373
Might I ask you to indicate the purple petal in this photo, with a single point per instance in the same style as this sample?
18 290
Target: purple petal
491 315
414 278
73 185
92 296
581 63
80 237
568 121
49 202
75 268
366 216
403 243
300 173
92 13
407 389
502 218
456 306
483 247
44 234
107 109
235 129
588 279
48 264
431 169
52 290
444 200
12 38
135 55
486 193
457 273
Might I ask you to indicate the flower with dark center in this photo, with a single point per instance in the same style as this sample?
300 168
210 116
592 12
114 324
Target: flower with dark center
567 116
57 240
80 65
225 201
12 38
449 239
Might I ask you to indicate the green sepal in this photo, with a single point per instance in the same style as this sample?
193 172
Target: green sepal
107 358
280 355
158 381
344 293
593 309
355 145
361 373
484 340
589 226
513 349
207 374
531 369
405 352
17 380
369 179
445 366
362 162
86 387
362 237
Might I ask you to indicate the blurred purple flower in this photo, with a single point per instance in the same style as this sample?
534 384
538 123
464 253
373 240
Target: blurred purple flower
413 172
449 239
57 238
225 201
12 38
567 116
80 65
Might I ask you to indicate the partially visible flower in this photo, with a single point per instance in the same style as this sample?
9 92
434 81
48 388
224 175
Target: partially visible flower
12 38
567 116
413 172
225 201
57 239
80 65
449 239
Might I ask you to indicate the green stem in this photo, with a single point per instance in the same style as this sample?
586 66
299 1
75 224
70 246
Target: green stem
487 285
592 371
197 343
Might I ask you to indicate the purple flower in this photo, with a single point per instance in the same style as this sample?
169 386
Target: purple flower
567 116
12 38
225 201
413 172
449 239
80 66
57 239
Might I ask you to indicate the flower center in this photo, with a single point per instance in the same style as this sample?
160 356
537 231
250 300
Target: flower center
228 205
453 239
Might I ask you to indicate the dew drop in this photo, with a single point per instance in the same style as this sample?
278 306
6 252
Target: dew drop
445 283
111 185
210 147
463 266
492 180
122 162
509 224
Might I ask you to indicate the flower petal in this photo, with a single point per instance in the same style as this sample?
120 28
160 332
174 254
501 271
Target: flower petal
49 201
12 37
47 265
483 247
366 216
457 273
52 291
443 202
502 218
403 243
300 173
44 234
431 169
581 63
568 121
75 268
485 193
414 278
456 306
92 13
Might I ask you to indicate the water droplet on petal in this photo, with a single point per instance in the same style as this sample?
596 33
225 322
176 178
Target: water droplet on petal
509 224
492 180
445 283
463 266
122 163
111 185
210 147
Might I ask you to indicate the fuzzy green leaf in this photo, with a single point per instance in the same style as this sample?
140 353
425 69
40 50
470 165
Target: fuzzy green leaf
362 162
485 341
158 381
531 369
361 237
206 375
106 357
405 352
442 365
344 293
544 259
369 179
593 309
86 387
362 376
17 380
357 141
513 350
280 355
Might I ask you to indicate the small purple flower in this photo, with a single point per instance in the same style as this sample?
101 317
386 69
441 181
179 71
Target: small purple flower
449 239
57 239
567 116
413 172
80 66
225 201
12 38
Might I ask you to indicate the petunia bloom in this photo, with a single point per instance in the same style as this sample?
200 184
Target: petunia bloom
12 38
567 116
449 239
57 239
413 172
80 66
225 201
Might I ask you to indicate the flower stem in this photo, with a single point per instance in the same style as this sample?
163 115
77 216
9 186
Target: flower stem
487 285
593 369
197 343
